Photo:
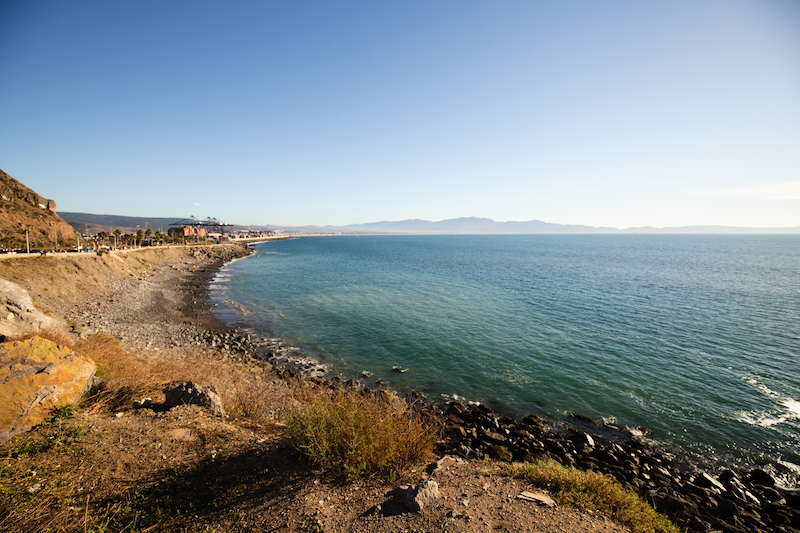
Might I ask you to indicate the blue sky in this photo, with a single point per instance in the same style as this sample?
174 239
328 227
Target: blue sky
291 113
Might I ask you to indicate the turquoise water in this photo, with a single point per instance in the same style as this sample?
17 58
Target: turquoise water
695 337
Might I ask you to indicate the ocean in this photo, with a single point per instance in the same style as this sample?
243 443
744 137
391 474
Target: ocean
694 337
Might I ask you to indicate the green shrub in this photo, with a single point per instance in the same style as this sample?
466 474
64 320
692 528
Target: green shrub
594 492
348 433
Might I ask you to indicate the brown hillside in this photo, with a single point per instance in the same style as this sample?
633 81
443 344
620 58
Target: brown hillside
22 209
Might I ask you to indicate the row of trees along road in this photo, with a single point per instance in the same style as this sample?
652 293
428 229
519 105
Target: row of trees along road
132 239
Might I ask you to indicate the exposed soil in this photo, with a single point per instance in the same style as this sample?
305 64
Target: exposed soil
27 219
184 469
194 458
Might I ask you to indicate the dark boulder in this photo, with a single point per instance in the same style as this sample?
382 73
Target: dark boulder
499 453
188 392
759 477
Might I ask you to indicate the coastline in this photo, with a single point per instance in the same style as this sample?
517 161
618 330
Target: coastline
163 306
159 306
668 479
639 382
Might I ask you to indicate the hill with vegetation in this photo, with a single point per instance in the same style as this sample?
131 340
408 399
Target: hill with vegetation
23 210
93 224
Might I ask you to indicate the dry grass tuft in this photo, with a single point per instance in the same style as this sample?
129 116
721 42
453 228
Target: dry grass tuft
594 492
57 336
126 378
349 433
248 391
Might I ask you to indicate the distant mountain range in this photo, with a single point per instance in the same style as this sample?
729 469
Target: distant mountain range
486 225
474 225
466 225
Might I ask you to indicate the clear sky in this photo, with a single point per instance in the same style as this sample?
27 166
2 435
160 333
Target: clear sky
290 113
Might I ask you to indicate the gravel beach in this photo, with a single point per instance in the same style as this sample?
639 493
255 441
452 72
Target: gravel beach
165 306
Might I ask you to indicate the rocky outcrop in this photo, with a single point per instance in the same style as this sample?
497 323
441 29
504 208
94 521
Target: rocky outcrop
17 313
221 252
37 376
190 393
11 190
21 210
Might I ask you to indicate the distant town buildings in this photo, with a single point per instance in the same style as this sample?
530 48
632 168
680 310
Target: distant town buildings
242 234
194 231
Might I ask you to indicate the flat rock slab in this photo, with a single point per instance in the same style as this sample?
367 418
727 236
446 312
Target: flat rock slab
37 376
537 497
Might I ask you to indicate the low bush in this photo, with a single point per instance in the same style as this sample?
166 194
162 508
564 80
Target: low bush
348 433
591 491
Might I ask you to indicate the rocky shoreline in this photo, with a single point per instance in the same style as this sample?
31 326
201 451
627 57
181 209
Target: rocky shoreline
695 500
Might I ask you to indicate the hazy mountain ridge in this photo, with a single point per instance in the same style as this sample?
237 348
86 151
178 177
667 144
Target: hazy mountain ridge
477 225
713 229
465 225
84 222
489 226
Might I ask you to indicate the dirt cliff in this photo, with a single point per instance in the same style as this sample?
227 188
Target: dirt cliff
21 210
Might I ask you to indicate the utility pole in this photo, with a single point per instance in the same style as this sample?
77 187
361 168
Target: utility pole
27 241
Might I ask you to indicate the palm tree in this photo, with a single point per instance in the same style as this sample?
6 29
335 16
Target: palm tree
103 236
139 235
117 233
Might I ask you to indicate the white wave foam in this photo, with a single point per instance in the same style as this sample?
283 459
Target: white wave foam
793 408
765 419
609 420
790 466
755 418
786 408
637 432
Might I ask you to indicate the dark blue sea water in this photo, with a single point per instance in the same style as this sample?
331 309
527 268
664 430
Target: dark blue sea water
695 337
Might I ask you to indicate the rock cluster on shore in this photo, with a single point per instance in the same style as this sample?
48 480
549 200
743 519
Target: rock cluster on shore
694 500
223 252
